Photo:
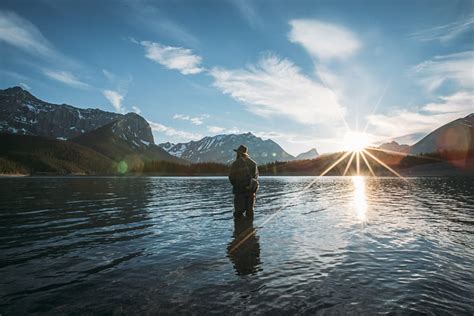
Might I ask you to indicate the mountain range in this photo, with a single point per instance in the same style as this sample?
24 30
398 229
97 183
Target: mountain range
220 149
127 139
121 136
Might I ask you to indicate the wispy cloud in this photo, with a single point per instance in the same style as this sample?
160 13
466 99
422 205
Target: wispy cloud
24 85
196 120
66 78
224 130
24 35
136 109
460 103
422 120
276 86
178 58
215 129
121 83
13 74
456 67
248 12
446 32
172 132
109 75
19 32
146 14
323 40
116 89
115 98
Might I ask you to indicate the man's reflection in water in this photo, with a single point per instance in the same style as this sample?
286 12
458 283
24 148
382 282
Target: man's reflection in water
244 249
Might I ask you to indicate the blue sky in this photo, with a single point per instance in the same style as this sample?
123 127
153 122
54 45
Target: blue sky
299 72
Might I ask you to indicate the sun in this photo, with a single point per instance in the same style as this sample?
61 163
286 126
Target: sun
356 141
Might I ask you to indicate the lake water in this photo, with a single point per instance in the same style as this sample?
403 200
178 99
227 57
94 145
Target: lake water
170 245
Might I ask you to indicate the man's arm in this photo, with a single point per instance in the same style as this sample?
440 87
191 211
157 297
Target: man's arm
232 174
254 170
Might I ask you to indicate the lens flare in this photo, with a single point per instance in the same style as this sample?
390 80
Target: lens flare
122 167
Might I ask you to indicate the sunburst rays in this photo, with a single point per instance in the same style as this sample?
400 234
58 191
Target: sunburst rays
363 154
367 163
349 163
382 164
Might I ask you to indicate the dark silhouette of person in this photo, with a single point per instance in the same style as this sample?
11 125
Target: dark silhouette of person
244 250
243 177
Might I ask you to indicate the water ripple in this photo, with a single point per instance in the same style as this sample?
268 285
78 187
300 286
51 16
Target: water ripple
163 245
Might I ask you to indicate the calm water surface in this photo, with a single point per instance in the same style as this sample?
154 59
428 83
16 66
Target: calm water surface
168 245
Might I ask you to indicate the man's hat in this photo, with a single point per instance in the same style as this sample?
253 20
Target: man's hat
242 149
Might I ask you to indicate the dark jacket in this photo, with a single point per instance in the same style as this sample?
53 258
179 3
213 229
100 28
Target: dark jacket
241 170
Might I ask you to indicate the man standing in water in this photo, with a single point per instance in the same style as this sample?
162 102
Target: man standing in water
243 176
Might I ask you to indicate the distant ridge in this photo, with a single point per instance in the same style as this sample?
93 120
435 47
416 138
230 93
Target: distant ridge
396 147
220 149
457 135
310 154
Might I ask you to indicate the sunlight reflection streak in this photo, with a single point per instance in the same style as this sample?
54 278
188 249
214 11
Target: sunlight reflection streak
250 234
360 199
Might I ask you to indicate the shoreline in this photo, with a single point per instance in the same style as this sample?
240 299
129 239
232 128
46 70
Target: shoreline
404 175
13 175
447 169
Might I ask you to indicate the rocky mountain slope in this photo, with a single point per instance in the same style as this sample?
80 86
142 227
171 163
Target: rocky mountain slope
125 140
456 136
24 114
310 154
220 149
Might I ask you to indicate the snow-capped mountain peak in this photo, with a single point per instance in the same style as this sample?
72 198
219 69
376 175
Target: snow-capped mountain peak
220 148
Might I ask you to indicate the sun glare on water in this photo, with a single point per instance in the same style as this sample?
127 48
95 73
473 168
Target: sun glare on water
360 199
